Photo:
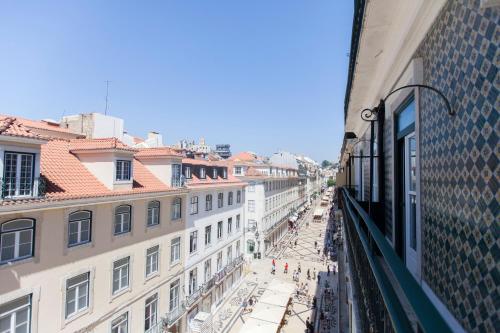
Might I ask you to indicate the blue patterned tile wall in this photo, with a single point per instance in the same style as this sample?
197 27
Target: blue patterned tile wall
460 172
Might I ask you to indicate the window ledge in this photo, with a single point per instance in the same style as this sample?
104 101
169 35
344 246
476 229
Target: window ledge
16 262
75 316
122 234
175 263
151 276
153 226
120 293
79 246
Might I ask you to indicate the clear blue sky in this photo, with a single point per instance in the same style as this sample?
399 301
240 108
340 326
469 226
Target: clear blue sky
261 75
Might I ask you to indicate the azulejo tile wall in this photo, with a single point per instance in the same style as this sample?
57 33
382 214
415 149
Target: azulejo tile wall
460 163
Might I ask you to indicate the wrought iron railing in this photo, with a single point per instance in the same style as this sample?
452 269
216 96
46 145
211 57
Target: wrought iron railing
13 189
175 314
208 285
374 264
159 327
194 296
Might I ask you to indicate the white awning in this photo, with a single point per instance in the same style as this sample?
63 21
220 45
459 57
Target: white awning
268 312
254 325
318 212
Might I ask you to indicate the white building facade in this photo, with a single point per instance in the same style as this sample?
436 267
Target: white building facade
214 236
271 198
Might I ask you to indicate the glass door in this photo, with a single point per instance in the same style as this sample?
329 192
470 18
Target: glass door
411 203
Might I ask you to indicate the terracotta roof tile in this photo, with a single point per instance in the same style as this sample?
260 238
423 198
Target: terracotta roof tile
67 178
99 144
12 127
156 152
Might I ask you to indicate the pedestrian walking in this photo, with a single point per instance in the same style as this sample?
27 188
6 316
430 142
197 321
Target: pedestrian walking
300 271
314 273
318 252
308 324
274 262
308 274
328 270
286 268
315 244
319 279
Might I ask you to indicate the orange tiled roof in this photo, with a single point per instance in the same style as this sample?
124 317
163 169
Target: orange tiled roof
99 144
230 180
244 156
156 152
11 126
40 124
68 178
197 162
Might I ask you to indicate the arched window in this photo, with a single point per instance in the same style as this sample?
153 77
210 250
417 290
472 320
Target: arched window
153 213
17 239
122 219
176 208
79 227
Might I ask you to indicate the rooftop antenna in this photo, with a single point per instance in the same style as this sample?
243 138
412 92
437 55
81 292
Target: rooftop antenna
107 92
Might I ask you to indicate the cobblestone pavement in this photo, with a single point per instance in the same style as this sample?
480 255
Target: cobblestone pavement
306 254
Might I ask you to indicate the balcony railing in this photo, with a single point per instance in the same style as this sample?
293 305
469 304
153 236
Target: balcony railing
13 189
159 327
374 265
219 276
175 314
208 285
193 298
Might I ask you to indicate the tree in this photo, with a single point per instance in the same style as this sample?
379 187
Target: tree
325 164
330 182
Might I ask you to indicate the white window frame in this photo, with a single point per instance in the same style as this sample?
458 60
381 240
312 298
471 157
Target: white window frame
208 202
79 222
175 250
121 270
207 269
13 312
203 173
123 170
220 230
153 217
77 288
122 220
116 323
238 196
151 303
251 206
194 205
193 280
229 226
17 239
208 235
176 213
220 200
230 198
17 179
152 260
187 172
219 261
174 294
193 241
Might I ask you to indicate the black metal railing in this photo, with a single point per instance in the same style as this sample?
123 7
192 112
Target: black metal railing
382 281
14 188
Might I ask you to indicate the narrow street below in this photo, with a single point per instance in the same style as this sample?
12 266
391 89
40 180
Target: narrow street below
305 250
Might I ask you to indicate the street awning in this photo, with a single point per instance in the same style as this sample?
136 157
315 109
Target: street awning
318 212
254 325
